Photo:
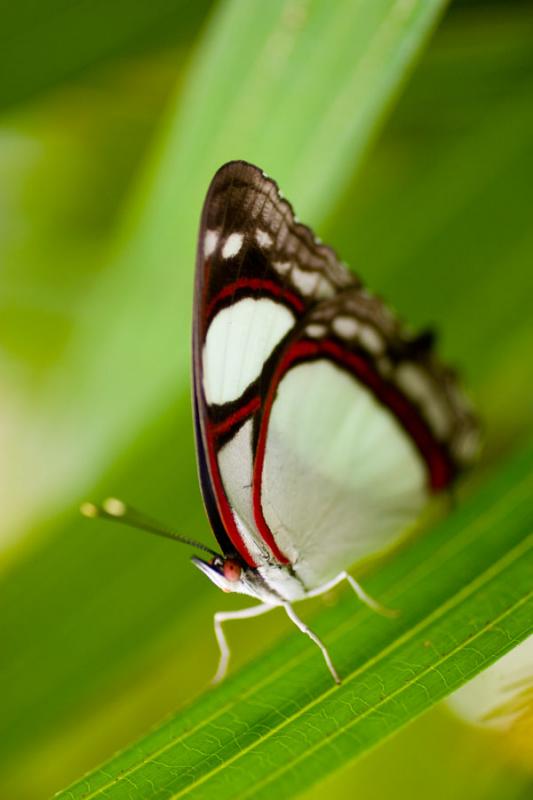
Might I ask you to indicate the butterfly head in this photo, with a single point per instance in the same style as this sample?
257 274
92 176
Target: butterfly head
226 572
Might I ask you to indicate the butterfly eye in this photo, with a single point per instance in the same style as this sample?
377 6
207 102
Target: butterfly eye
232 570
217 562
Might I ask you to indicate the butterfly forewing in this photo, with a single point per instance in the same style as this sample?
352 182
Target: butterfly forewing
258 272
322 424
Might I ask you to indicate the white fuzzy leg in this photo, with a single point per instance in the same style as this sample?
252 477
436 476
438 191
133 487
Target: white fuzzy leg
308 632
224 616
360 592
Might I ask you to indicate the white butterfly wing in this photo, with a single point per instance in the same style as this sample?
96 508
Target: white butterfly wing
340 477
323 425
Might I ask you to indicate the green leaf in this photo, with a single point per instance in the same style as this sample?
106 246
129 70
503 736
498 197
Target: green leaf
280 725
44 44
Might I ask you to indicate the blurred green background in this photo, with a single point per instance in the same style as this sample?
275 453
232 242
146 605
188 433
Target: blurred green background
111 126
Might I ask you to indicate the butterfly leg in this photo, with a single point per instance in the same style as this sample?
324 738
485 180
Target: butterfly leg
360 592
366 598
225 616
308 632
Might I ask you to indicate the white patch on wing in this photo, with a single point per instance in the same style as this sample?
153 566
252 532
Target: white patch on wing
346 327
371 340
263 238
238 342
341 478
282 267
232 245
235 465
315 330
416 385
324 289
350 328
210 243
305 282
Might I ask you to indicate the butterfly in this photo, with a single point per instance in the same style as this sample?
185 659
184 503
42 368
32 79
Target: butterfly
323 424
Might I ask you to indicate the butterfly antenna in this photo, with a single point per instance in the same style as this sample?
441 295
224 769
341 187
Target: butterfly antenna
115 510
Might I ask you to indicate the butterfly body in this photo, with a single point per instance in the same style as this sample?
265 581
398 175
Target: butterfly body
323 425
273 584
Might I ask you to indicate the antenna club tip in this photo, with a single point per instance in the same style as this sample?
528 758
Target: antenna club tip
89 510
114 507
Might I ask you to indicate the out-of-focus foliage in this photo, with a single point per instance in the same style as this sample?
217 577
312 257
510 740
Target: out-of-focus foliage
45 43
101 177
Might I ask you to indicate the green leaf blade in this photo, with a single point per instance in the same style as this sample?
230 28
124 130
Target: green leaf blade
465 596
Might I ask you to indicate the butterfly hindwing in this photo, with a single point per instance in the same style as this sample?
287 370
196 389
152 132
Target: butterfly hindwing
356 430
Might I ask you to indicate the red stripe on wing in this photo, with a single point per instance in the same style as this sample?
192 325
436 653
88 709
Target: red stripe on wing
256 285
238 416
224 507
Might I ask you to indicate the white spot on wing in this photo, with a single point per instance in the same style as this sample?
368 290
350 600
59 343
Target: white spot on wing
305 282
282 267
415 384
263 238
346 327
371 340
324 288
210 242
232 245
316 330
239 340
